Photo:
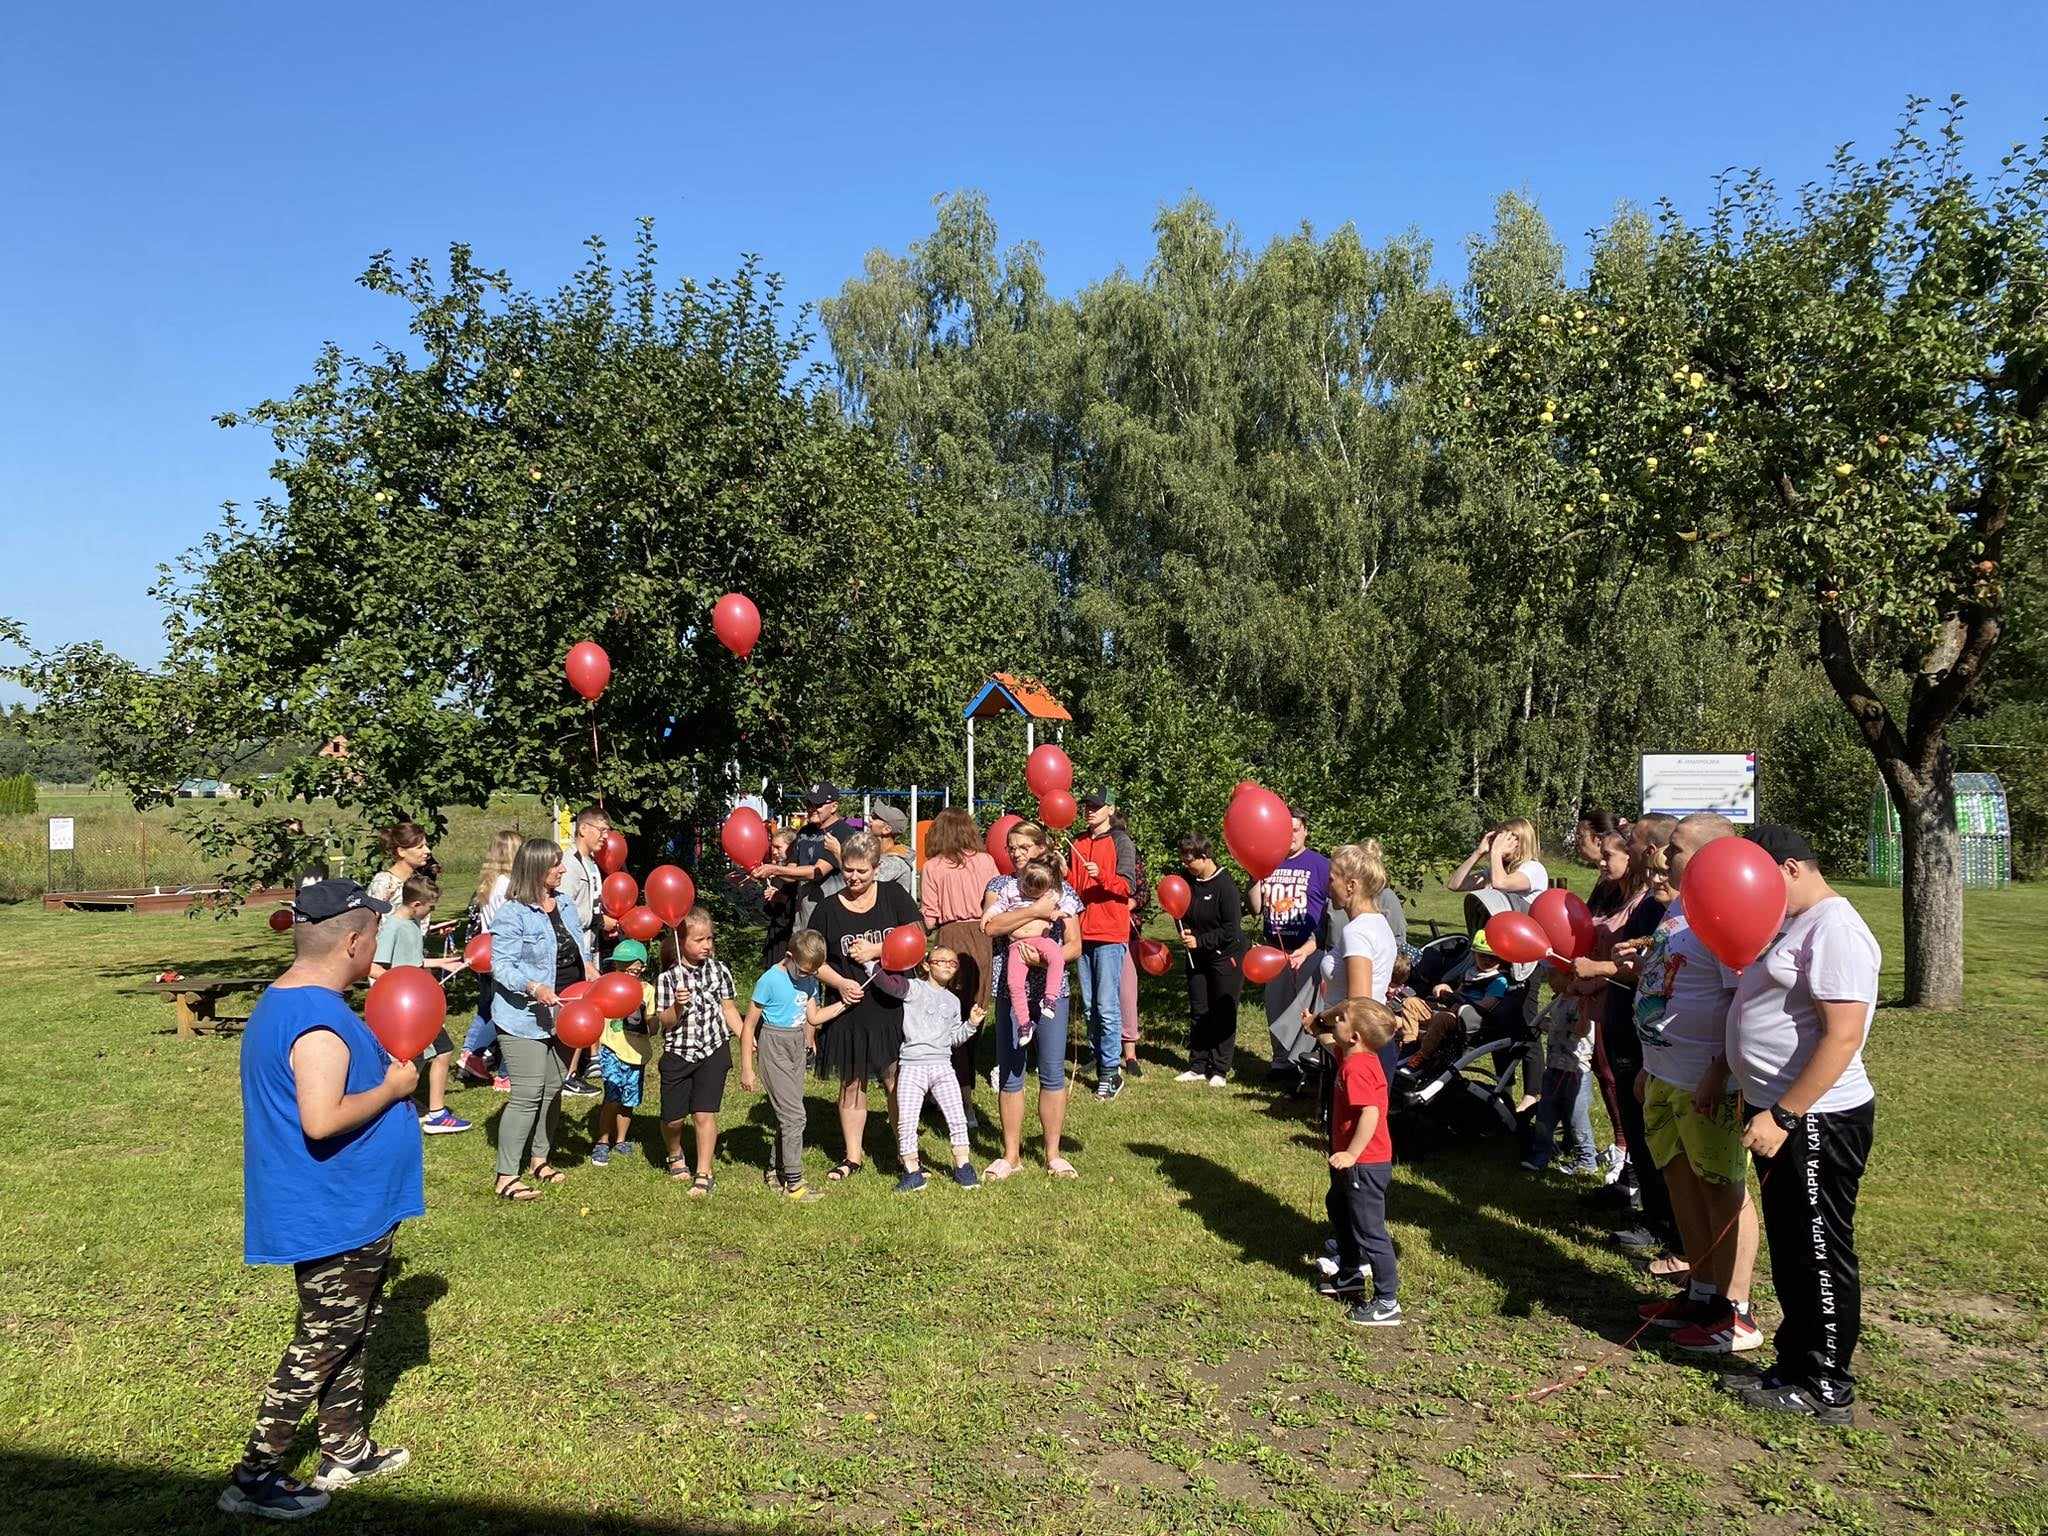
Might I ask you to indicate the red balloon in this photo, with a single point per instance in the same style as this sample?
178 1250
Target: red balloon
671 894
1242 786
737 623
640 923
903 948
579 1024
1734 899
1153 957
611 854
999 842
619 893
1047 769
588 667
405 1009
575 990
616 993
1174 896
1565 920
1057 809
476 954
1257 829
744 837
281 920
1262 962
1517 937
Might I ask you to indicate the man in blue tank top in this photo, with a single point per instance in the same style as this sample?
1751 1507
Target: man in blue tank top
330 1166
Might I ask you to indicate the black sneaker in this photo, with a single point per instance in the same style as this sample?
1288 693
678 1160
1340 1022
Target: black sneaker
1132 1069
1352 1284
270 1496
1794 1398
1376 1314
577 1088
1637 1240
1109 1088
375 1461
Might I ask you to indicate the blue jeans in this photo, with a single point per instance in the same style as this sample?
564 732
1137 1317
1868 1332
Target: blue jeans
1567 1099
1048 1045
1102 991
483 1034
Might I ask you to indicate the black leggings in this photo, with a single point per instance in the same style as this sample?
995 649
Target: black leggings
1214 988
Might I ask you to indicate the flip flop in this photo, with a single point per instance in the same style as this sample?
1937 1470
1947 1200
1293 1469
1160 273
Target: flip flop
997 1171
547 1173
1060 1168
846 1170
512 1187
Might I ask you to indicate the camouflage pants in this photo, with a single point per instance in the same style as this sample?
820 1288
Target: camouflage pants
339 1299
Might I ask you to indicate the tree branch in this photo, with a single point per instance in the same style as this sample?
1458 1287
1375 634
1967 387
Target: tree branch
1845 673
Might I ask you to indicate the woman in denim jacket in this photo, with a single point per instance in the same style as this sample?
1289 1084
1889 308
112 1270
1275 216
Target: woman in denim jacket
536 945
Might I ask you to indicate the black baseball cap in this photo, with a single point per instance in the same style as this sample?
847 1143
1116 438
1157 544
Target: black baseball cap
821 794
323 899
1093 801
1782 842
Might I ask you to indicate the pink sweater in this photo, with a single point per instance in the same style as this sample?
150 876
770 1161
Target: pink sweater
952 893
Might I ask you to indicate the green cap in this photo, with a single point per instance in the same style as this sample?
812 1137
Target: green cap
628 951
1479 944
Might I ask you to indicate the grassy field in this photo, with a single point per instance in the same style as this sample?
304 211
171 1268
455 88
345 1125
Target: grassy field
1137 1351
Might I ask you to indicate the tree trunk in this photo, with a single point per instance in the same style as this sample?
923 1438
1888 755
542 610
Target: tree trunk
1932 891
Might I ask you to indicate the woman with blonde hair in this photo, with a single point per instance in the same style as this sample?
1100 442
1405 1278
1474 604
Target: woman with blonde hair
1507 859
492 882
1361 960
1005 909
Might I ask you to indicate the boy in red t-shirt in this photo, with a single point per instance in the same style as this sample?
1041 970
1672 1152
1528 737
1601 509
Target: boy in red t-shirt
1361 1160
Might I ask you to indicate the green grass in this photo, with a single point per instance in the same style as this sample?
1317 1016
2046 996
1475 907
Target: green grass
1133 1352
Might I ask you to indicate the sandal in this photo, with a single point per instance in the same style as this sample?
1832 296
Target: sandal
846 1170
512 1187
1060 1168
998 1170
701 1185
679 1168
546 1173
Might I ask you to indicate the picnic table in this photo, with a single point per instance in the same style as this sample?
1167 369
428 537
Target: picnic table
193 997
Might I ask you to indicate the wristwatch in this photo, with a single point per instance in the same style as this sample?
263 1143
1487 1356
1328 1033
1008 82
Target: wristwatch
1787 1121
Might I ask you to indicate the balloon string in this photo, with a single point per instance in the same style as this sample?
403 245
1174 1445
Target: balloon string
596 761
1647 1324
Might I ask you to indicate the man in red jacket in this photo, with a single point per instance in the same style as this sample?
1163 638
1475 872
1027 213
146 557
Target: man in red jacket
1103 870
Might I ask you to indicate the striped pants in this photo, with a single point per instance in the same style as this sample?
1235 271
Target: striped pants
914 1079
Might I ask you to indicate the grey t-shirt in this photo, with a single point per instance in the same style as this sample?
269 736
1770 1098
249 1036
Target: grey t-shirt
1825 954
932 1025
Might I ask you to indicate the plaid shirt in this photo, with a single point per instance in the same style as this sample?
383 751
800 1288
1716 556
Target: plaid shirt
702 990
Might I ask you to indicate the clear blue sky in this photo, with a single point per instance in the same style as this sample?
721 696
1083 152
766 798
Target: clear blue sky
191 190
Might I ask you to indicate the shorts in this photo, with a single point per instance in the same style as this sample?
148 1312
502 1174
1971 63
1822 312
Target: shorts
435 1047
1712 1144
622 1080
694 1087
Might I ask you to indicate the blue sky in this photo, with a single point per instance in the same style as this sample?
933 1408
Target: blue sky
190 191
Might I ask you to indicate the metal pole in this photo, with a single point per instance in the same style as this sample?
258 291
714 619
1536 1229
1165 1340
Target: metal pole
913 839
970 766
867 807
1030 737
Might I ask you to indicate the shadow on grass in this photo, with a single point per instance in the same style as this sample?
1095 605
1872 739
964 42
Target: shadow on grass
1264 1228
400 1339
44 1492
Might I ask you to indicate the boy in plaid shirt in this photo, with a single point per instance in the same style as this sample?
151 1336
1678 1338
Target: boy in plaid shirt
693 1001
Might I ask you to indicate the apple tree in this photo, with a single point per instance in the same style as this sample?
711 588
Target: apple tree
1827 414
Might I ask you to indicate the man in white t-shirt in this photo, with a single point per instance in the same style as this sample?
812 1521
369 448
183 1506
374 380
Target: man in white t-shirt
1802 1011
1692 1123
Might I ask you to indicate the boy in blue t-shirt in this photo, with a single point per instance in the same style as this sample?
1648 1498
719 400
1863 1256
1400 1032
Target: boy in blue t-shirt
330 1167
782 1025
1468 1004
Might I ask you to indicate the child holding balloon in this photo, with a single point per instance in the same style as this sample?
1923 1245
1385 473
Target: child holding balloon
402 940
695 1008
622 1056
932 1027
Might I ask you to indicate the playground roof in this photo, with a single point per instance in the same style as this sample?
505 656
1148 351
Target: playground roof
1026 695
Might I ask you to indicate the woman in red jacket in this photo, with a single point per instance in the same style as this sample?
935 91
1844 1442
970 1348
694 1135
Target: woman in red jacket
1102 869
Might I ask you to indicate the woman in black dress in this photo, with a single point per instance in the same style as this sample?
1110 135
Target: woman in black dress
862 1044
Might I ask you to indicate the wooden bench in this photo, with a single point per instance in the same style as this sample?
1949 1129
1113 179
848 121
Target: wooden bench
193 997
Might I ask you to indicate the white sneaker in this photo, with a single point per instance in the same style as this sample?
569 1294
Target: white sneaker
1189 1077
1612 1161
1217 1082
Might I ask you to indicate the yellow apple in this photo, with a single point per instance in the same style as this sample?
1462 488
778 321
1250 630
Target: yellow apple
1651 463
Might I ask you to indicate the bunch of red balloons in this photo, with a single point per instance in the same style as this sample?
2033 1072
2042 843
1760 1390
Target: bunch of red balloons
1049 774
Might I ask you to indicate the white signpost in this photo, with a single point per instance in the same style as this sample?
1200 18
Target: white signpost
63 834
1681 783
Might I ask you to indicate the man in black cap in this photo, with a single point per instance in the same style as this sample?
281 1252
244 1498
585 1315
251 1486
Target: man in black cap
814 856
331 1165
1796 1029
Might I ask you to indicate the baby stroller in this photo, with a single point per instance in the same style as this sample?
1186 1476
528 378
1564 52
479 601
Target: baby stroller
1467 1080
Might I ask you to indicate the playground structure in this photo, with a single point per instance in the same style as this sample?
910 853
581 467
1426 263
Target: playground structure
1003 695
